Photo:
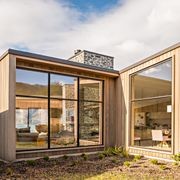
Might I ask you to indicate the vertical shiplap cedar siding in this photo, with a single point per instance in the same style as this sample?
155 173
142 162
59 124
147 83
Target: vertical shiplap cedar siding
123 104
7 109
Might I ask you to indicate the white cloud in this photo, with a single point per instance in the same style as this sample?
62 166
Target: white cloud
130 31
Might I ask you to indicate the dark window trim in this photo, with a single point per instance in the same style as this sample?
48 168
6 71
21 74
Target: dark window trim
49 113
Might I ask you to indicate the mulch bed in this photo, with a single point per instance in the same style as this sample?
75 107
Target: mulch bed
91 167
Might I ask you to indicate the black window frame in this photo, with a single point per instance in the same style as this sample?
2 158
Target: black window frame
75 100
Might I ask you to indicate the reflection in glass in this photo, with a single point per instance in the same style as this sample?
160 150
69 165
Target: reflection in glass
151 107
90 90
31 123
63 123
149 115
32 111
31 83
90 123
63 87
154 81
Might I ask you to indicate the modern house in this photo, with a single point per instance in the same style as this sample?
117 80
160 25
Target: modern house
50 106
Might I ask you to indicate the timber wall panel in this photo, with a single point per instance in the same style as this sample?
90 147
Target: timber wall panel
177 102
7 109
110 112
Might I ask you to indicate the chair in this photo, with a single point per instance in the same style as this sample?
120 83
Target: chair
157 135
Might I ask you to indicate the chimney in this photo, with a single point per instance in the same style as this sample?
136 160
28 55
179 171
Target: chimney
93 59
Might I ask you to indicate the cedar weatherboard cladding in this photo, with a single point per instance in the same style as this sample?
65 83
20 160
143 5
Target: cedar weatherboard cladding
7 110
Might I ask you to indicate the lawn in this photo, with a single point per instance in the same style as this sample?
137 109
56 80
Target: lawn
91 167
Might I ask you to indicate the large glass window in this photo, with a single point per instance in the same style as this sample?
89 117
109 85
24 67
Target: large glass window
151 107
63 122
90 112
31 109
55 110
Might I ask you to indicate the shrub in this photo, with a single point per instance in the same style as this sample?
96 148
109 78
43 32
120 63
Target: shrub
176 163
46 158
162 167
65 157
112 151
31 162
176 157
154 161
127 163
114 160
84 156
137 157
74 163
101 156
9 171
125 153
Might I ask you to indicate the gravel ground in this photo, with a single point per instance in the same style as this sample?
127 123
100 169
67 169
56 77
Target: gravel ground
90 167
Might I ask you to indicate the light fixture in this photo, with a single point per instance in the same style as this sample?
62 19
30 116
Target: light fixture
169 108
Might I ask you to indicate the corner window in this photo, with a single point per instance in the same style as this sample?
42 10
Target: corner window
151 107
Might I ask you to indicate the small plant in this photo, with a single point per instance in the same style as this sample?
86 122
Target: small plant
176 163
74 163
65 157
125 153
46 158
162 167
31 162
114 160
137 157
126 163
101 156
9 171
154 161
112 151
176 157
84 156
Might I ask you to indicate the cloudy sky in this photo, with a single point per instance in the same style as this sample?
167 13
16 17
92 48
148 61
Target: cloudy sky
129 30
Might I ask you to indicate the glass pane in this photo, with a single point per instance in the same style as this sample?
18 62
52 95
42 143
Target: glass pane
31 123
63 87
90 123
151 123
31 83
152 82
63 123
90 90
